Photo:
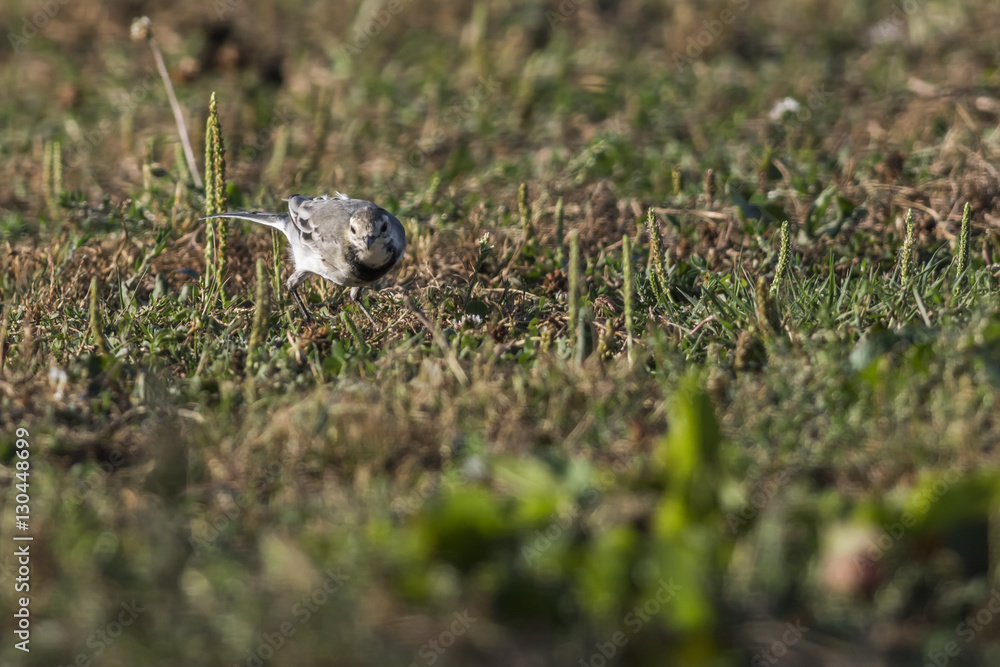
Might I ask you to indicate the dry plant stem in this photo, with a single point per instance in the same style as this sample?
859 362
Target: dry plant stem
178 116
692 332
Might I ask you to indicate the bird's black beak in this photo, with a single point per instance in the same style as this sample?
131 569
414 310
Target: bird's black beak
369 240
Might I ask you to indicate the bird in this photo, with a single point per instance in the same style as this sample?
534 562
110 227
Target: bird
350 242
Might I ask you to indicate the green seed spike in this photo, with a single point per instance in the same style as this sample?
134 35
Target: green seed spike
573 306
432 188
581 334
962 261
211 208
606 341
147 172
218 185
47 174
906 252
783 257
629 289
57 184
767 314
260 309
96 332
657 271
49 184
523 210
276 253
216 245
560 239
218 157
180 201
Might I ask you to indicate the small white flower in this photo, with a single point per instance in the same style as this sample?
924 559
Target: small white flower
887 31
472 321
58 380
474 468
141 29
784 107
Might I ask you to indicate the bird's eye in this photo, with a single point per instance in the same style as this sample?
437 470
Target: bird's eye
383 227
354 230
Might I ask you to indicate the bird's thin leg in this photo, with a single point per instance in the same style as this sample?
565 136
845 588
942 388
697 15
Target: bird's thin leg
355 291
301 304
293 283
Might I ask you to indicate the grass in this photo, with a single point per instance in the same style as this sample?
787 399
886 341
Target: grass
659 376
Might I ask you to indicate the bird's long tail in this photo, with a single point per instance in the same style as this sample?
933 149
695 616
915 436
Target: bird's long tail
277 220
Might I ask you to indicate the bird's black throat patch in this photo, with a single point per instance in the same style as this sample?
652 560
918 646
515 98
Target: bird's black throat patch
370 274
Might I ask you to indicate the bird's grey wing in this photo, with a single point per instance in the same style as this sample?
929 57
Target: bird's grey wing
300 210
321 218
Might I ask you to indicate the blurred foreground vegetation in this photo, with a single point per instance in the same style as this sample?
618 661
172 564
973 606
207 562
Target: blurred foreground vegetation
728 445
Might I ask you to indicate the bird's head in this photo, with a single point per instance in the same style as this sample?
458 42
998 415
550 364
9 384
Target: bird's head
372 233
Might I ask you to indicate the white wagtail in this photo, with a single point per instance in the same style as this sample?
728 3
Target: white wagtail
350 242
